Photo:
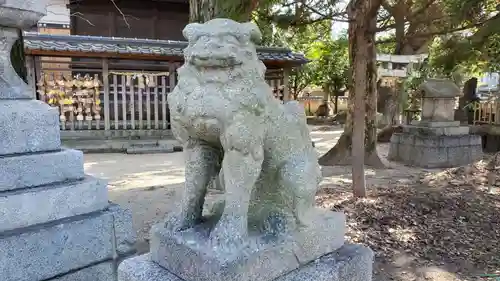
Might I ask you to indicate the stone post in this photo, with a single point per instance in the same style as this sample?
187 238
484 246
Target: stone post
437 141
56 223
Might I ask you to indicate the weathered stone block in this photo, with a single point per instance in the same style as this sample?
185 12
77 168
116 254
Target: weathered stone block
28 126
438 109
441 150
404 150
435 124
189 255
407 139
476 140
476 151
28 170
395 138
459 156
393 151
124 230
349 263
49 250
427 141
101 272
25 207
436 131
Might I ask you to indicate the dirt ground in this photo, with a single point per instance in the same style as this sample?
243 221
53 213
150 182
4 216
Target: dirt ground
439 225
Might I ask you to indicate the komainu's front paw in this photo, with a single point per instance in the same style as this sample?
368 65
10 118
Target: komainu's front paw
228 236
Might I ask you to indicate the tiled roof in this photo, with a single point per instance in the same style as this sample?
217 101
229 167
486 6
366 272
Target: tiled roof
93 44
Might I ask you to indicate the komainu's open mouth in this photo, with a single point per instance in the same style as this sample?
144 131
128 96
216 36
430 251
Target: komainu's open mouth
214 61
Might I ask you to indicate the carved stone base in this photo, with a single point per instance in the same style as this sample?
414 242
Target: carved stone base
349 263
435 147
188 254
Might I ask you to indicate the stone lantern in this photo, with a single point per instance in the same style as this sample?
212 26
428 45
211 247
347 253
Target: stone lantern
438 101
437 141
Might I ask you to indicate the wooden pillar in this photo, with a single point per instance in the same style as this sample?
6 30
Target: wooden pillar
105 82
286 84
31 73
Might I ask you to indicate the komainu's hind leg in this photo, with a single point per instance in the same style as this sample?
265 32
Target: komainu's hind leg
300 178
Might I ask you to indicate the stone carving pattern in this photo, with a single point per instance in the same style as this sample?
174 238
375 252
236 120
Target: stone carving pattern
225 114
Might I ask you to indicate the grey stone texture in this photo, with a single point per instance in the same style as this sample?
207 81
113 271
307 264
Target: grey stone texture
21 14
52 249
435 150
26 207
28 126
438 100
190 255
104 271
30 170
349 263
440 88
437 130
125 235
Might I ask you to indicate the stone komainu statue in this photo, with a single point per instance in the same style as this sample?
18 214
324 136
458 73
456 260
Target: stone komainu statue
232 127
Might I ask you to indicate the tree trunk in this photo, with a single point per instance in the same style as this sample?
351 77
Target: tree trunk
237 10
336 108
363 84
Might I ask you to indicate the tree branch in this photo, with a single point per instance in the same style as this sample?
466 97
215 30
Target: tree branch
442 32
120 11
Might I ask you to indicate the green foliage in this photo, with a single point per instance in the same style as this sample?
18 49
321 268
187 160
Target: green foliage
331 60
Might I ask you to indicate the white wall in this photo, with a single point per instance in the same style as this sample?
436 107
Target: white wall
57 13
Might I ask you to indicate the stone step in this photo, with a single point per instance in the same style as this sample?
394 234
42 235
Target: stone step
29 170
28 126
54 249
144 144
26 207
161 147
149 150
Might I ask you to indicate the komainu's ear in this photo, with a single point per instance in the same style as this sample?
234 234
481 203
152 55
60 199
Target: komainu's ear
191 31
253 30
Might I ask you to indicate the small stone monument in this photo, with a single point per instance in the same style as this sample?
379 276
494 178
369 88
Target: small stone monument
55 222
266 228
437 141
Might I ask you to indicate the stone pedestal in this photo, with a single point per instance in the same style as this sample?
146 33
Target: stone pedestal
189 254
349 263
316 252
437 141
56 223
